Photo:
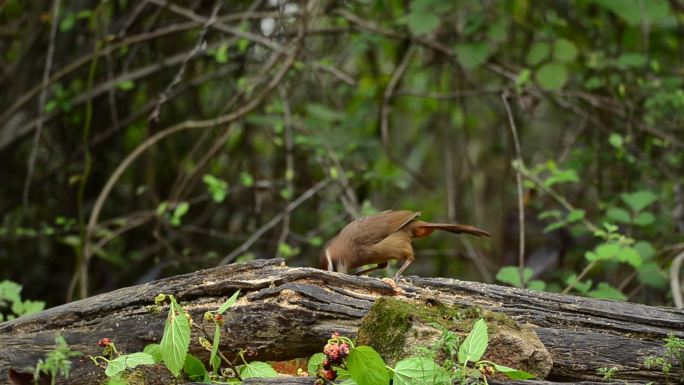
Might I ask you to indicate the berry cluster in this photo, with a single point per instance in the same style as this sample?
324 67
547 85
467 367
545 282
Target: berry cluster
336 350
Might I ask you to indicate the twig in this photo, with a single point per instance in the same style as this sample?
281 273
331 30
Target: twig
675 283
163 97
289 165
220 26
274 221
41 100
104 87
518 180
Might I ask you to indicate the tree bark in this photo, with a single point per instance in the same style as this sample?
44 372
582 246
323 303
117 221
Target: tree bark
286 313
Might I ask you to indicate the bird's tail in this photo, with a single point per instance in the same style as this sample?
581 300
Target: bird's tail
423 229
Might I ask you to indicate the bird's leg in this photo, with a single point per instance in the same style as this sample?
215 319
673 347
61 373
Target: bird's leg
377 267
403 267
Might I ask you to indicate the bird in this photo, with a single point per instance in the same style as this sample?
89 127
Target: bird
380 238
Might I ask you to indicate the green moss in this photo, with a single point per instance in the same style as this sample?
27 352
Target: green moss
390 322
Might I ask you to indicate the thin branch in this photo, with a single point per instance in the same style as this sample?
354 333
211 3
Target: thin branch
41 100
274 221
163 97
220 26
289 165
518 180
675 280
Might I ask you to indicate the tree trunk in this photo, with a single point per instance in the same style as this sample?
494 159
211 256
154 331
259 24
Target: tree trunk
286 313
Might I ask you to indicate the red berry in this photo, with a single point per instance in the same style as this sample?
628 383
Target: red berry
329 375
344 350
104 342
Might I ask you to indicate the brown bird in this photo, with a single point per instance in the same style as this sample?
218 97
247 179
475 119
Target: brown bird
379 238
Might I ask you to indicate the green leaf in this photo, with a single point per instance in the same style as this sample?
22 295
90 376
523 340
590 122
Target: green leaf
323 112
564 50
606 291
651 275
125 85
523 78
575 215
217 188
631 60
154 350
538 53
514 374
639 200
366 366
176 339
616 140
536 285
645 249
633 12
67 22
214 359
258 369
629 255
128 361
178 213
421 23
475 344
604 251
552 76
314 362
194 369
619 215
229 302
221 55
511 275
116 366
246 179
644 219
472 55
418 371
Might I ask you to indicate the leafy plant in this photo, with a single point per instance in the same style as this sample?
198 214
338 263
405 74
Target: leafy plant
11 304
362 365
511 276
57 362
673 356
172 351
607 373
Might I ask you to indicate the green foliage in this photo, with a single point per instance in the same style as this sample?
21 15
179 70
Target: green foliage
128 361
595 88
475 344
176 338
511 276
606 372
195 370
57 363
257 369
418 370
11 304
217 188
673 356
472 55
366 366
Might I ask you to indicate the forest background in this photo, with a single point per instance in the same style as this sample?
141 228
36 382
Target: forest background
144 139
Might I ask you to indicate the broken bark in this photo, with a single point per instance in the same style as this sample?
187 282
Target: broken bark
288 312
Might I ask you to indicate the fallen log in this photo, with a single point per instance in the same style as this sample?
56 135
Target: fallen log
286 313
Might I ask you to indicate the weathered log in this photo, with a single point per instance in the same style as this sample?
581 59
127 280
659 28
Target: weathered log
290 312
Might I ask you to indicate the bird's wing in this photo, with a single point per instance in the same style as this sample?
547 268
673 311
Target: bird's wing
374 228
